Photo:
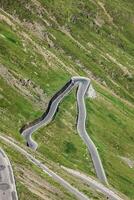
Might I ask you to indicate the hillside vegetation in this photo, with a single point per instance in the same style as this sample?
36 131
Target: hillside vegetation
44 43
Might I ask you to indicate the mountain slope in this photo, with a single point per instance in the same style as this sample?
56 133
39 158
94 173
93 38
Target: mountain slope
44 43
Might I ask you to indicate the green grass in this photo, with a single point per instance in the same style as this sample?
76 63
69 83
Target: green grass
23 164
109 118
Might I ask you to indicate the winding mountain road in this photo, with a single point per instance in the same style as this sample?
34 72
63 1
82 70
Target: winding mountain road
88 180
84 88
7 182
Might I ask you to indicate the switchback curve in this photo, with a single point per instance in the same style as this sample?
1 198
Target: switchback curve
84 88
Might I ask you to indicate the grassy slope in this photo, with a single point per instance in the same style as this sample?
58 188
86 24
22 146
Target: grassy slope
104 52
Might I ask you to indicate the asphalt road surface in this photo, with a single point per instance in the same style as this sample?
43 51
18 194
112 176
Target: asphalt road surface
79 195
108 192
88 180
84 88
7 182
